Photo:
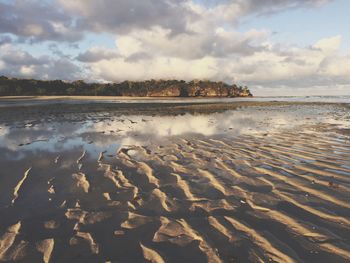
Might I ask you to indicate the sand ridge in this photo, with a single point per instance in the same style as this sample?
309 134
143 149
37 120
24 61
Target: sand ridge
266 197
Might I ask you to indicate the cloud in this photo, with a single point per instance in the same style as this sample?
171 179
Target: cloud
156 68
5 40
123 16
272 65
182 39
329 45
321 64
37 21
214 52
209 41
68 21
234 11
15 62
96 54
156 53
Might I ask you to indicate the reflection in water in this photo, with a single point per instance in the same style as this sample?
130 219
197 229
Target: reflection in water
116 100
97 133
177 188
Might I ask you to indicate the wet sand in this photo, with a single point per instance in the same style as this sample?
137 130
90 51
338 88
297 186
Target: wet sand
256 182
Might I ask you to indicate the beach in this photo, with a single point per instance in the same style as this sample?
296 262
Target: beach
124 180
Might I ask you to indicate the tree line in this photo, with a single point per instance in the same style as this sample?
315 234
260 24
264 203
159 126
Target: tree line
149 88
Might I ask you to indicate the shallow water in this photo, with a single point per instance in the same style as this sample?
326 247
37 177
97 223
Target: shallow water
139 100
267 183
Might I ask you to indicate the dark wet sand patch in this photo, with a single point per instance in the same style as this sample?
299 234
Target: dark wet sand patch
92 197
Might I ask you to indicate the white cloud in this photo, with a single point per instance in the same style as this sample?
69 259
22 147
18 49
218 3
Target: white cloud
208 49
27 71
157 68
179 39
128 45
329 45
275 66
19 63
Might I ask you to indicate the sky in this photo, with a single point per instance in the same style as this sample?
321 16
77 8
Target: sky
275 47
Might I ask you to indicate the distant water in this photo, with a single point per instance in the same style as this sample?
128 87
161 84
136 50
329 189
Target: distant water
327 99
29 102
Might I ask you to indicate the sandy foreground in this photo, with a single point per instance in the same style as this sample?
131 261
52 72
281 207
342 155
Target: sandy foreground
258 182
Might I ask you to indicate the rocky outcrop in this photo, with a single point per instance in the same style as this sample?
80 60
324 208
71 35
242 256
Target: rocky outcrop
215 89
149 88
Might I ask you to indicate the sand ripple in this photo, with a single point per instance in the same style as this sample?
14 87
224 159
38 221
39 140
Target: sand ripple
270 198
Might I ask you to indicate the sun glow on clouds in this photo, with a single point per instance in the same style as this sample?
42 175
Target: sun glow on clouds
157 68
180 39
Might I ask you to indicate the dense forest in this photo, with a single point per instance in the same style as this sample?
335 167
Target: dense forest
150 88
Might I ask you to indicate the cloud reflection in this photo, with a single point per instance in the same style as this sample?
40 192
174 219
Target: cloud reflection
98 134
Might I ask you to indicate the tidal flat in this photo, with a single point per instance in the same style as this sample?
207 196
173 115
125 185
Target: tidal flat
244 181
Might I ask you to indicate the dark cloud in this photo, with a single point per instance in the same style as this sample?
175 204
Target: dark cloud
18 63
5 39
237 46
97 54
37 20
136 57
56 50
62 69
263 7
122 16
272 6
20 58
294 60
67 21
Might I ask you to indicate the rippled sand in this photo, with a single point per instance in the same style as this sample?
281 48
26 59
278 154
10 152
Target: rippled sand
266 183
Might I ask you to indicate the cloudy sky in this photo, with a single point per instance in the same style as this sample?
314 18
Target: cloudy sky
276 47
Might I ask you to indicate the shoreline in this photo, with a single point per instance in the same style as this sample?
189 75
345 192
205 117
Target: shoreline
110 97
317 99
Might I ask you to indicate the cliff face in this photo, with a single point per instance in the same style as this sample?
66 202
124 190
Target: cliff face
150 88
215 89
175 88
171 91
